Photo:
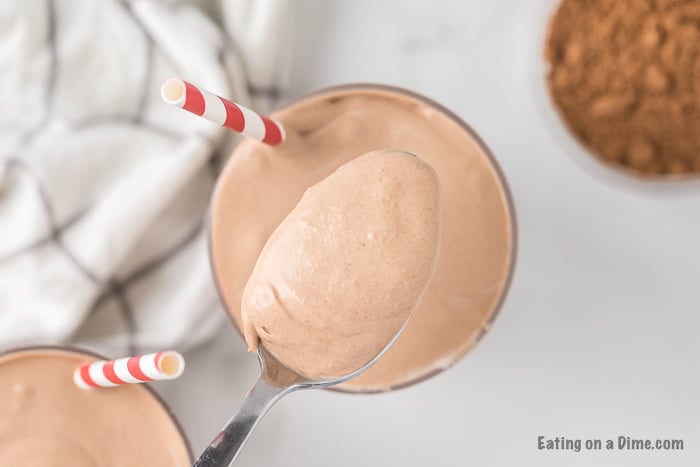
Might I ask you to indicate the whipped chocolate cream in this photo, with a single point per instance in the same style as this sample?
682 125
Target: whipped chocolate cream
45 420
261 185
343 272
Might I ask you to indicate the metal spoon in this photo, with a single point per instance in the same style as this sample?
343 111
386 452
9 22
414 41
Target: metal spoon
276 380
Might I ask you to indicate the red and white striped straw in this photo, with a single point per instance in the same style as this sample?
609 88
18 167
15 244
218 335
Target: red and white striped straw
222 111
128 370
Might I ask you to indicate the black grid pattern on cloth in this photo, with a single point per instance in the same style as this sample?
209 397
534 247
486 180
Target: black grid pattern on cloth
113 288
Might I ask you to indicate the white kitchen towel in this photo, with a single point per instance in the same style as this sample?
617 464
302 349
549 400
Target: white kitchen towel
103 188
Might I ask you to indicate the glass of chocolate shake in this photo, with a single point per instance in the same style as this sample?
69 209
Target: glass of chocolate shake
261 185
46 420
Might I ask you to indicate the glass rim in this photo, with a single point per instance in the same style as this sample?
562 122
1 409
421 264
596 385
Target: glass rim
76 349
505 189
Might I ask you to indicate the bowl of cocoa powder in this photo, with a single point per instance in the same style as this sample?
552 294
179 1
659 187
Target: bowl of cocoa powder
621 79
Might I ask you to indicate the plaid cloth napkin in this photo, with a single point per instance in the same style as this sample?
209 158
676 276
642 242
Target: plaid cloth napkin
103 188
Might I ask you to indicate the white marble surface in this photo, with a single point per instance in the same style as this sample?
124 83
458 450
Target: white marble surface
598 335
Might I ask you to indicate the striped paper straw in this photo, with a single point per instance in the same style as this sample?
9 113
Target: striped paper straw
128 370
222 111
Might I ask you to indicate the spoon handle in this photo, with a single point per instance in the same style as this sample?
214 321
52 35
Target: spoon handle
224 449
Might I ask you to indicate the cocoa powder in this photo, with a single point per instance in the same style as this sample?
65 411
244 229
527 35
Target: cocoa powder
625 76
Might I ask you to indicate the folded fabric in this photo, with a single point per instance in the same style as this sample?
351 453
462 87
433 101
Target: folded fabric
103 188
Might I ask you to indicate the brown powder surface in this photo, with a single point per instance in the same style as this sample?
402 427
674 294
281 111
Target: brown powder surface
625 76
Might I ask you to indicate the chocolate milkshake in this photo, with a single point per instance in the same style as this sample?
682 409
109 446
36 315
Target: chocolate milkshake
45 420
261 185
341 275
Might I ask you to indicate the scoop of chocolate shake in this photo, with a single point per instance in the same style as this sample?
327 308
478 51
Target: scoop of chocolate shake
342 274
